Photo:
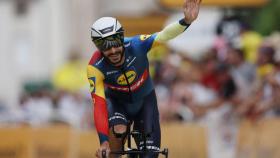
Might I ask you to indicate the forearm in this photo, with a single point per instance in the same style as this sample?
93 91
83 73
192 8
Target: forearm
101 118
100 112
171 31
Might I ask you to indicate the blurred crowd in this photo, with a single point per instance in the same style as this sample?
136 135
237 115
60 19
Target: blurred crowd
63 100
241 71
239 77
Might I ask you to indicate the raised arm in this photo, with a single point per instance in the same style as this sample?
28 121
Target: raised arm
191 10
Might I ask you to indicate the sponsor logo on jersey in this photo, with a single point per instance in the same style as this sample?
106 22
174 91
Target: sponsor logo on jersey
133 87
144 37
92 84
111 72
130 76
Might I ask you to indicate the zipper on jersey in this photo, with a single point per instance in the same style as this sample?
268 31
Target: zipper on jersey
129 88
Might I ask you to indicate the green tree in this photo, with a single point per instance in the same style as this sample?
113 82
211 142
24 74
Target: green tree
268 18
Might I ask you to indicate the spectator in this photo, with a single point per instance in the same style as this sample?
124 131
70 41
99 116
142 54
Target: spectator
265 60
262 96
4 113
70 76
71 109
217 114
250 42
243 72
37 108
209 77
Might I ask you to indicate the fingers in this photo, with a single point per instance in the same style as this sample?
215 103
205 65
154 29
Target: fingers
197 1
191 2
100 153
185 3
107 153
97 154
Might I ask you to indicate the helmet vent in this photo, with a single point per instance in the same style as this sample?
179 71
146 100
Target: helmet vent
107 29
92 34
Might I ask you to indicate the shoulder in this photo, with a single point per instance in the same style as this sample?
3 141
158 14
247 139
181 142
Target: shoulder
96 58
144 40
92 68
146 37
139 38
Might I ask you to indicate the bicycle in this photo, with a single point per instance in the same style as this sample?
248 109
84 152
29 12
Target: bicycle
134 152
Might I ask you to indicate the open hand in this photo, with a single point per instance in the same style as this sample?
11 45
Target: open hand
191 10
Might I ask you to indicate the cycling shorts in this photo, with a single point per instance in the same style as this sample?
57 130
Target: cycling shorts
145 119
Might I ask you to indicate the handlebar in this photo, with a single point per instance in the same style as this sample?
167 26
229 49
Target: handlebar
163 152
134 152
139 152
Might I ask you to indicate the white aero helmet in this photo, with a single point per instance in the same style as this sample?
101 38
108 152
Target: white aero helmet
107 32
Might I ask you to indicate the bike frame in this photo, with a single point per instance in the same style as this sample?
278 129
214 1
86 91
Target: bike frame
134 152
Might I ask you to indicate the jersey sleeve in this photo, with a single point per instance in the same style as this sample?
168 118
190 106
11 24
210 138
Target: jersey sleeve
171 31
144 42
100 112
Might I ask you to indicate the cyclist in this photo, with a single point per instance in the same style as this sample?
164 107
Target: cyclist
120 84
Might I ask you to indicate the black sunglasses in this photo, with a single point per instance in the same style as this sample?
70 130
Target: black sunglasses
106 43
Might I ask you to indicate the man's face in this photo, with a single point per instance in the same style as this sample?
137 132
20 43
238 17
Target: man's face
114 55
